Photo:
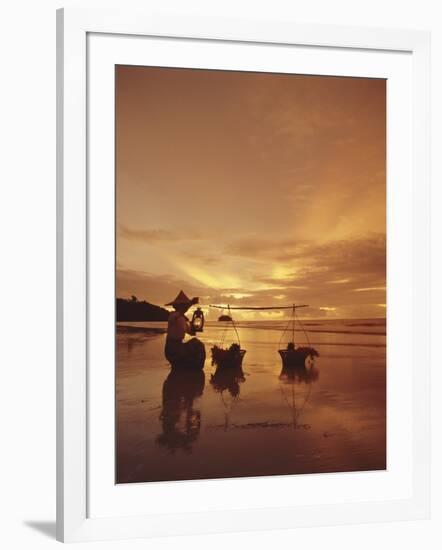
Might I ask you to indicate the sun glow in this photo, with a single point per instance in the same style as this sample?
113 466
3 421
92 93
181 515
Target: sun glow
282 272
237 295
218 280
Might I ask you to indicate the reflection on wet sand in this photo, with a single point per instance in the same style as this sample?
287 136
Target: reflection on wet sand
180 420
293 376
228 379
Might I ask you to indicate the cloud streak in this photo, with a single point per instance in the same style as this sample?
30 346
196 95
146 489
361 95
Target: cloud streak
335 278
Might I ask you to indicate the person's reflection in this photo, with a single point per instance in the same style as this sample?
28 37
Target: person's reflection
181 421
296 376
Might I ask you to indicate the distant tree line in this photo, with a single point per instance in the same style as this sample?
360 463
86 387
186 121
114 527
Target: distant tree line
133 310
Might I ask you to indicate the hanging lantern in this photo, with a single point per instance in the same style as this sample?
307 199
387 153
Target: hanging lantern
198 320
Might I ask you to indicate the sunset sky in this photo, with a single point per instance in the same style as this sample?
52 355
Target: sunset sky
251 189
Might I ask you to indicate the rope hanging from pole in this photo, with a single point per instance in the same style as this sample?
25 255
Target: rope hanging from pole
291 321
224 332
284 331
293 325
305 332
234 326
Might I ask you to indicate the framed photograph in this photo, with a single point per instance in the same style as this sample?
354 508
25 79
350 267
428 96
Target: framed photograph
243 284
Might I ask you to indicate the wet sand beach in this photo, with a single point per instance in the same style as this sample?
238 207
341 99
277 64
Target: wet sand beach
214 424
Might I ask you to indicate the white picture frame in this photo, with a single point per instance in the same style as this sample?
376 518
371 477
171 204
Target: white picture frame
77 520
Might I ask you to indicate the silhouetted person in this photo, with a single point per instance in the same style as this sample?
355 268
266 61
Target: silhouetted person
179 353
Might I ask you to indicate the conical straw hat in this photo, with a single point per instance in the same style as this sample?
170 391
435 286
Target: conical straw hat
182 299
